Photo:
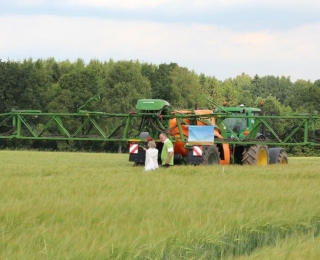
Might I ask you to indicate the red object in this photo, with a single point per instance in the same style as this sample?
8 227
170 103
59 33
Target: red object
197 150
133 148
149 139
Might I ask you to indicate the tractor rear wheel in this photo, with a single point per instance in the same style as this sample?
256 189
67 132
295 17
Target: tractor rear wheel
210 155
255 155
277 156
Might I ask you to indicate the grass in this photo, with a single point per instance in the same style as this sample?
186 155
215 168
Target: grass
97 206
290 248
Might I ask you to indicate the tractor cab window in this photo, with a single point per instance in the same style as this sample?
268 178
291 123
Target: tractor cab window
254 114
236 124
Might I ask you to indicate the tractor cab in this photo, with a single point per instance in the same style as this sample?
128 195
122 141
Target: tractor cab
240 121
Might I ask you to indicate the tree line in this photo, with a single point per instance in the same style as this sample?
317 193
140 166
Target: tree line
64 86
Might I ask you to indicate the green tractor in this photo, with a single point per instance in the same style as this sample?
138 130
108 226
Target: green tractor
243 125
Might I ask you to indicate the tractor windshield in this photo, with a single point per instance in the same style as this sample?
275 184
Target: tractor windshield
236 124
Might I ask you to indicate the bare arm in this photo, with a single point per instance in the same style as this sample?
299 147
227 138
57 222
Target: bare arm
169 157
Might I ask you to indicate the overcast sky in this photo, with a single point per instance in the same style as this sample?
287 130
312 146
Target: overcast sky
221 38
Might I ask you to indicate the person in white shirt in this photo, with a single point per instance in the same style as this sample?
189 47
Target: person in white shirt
151 162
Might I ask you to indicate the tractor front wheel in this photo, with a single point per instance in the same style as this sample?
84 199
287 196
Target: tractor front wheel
255 155
210 155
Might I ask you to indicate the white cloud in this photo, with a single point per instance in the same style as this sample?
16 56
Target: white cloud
189 4
179 5
133 4
30 3
209 49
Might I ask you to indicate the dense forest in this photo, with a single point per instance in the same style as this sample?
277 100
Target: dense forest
64 86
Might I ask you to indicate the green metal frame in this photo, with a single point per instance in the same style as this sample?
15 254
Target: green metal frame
111 127
309 124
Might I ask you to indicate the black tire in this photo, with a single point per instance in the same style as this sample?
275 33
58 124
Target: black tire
255 155
210 155
278 156
260 137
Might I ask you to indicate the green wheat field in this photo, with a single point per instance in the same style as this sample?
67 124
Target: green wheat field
56 205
